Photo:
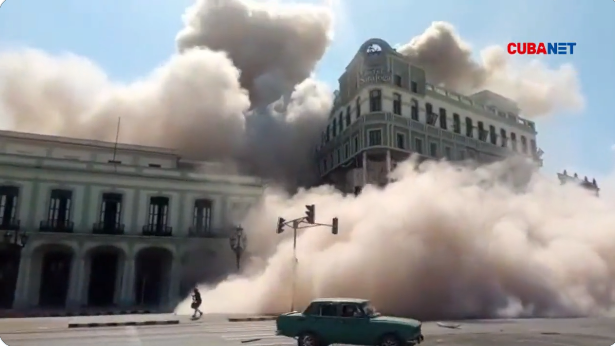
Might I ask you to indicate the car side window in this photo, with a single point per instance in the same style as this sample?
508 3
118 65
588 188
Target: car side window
351 310
328 310
313 309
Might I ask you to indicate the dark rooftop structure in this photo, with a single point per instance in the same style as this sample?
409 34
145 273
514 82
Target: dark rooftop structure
564 178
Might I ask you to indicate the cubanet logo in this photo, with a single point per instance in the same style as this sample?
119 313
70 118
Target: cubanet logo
532 48
2 343
2 2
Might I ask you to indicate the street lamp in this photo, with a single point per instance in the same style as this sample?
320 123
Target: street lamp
16 238
238 244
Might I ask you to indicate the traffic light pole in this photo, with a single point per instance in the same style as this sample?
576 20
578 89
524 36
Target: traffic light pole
296 225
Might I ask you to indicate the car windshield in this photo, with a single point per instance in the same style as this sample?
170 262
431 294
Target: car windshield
370 310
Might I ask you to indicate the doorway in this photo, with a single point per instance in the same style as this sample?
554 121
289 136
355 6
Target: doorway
55 278
152 276
103 278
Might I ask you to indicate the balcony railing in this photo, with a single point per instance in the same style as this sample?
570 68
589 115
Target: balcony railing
157 230
9 224
107 228
206 232
57 226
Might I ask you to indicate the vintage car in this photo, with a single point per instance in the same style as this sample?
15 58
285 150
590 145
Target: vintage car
347 321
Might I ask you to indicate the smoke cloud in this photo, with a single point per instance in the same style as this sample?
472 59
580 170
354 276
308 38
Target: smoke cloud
448 60
240 89
441 242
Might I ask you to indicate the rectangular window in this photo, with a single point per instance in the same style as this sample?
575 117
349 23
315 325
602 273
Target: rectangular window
414 110
503 139
414 87
401 141
524 144
340 121
448 153
158 213
418 145
433 149
456 123
201 217
397 103
397 80
375 100
111 211
8 207
358 107
60 208
493 136
346 150
469 128
513 140
462 155
347 116
429 115
533 147
443 124
482 134
375 137
356 143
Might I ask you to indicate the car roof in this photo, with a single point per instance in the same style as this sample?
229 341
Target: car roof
340 300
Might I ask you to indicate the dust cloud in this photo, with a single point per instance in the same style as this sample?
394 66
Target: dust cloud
441 242
241 89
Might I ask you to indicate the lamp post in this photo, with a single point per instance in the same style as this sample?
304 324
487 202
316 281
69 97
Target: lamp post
16 238
238 244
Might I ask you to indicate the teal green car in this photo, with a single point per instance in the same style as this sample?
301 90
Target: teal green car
347 321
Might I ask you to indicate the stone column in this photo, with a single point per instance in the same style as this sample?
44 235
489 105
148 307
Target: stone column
364 158
388 165
22 289
175 282
127 295
77 282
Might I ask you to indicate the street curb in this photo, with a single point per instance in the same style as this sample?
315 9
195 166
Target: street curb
252 319
122 324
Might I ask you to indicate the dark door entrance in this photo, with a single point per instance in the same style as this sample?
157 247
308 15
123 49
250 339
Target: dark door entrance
149 281
103 276
9 270
55 279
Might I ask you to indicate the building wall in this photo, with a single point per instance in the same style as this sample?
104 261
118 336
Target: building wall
404 133
37 164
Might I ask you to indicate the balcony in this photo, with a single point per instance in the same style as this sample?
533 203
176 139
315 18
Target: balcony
58 226
157 230
108 228
9 224
206 232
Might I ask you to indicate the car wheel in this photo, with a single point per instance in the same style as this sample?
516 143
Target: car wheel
390 340
308 339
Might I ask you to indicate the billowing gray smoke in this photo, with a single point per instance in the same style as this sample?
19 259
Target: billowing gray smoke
445 242
239 88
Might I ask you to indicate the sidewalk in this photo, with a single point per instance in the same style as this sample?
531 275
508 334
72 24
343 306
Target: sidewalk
34 325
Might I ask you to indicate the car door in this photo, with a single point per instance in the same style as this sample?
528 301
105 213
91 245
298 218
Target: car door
326 324
354 327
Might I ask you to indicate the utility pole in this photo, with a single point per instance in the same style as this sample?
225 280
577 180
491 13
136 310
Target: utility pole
308 221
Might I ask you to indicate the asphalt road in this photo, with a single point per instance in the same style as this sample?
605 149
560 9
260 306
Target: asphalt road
217 331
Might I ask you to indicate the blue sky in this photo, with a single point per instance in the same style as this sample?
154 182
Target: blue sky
129 38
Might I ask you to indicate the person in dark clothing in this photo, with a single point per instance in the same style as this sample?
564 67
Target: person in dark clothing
196 302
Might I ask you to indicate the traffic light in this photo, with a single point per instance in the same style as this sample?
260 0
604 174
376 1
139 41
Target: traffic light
334 226
281 222
310 214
